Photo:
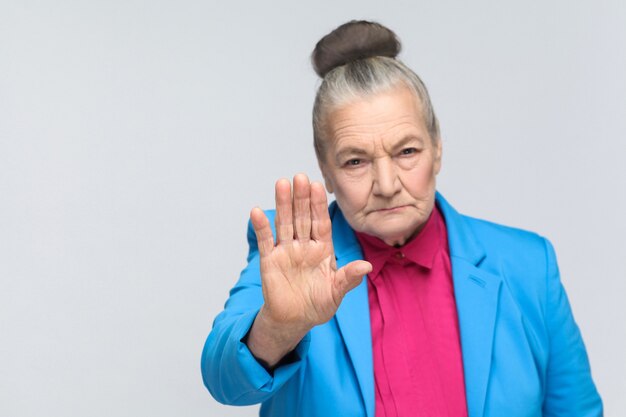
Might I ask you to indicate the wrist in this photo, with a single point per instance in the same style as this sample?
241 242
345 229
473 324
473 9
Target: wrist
269 341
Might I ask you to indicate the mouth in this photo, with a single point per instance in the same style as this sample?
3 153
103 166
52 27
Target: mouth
391 209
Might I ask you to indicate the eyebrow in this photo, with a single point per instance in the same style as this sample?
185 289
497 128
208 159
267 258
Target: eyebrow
352 151
409 138
355 151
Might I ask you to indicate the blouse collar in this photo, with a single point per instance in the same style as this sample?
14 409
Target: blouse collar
421 249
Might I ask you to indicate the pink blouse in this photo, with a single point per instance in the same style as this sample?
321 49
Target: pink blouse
418 367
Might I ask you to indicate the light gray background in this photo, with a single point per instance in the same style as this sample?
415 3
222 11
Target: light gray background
136 135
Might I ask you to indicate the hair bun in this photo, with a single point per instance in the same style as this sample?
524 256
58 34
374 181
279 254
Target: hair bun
357 39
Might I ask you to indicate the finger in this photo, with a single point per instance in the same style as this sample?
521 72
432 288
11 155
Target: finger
349 277
302 207
284 219
320 221
263 231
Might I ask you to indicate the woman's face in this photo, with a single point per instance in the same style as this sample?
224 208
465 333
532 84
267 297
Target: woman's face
381 164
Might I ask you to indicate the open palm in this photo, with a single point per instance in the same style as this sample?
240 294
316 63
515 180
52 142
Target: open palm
302 286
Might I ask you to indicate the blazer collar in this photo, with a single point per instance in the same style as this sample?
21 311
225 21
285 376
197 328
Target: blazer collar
461 239
476 292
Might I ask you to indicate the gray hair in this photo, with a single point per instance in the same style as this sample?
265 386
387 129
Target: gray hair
362 77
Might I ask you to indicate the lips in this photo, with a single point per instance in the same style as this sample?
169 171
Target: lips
391 209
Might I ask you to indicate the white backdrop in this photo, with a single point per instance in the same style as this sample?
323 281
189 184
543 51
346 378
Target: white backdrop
136 135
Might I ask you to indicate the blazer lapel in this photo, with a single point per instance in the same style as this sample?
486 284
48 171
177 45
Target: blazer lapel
353 316
477 292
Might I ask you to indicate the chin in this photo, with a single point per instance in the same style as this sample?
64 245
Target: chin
393 236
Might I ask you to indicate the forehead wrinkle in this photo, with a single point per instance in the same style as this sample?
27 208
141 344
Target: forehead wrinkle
375 123
359 136
368 110
371 124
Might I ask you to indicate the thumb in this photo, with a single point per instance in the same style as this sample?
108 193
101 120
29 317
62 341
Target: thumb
350 276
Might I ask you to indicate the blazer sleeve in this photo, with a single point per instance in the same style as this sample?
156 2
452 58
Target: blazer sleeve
569 389
229 371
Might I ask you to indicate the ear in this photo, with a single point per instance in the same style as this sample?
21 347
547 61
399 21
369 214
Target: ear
328 184
438 151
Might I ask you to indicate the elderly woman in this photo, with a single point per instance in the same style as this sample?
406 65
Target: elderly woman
389 302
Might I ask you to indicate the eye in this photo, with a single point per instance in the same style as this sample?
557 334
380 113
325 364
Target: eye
409 151
353 162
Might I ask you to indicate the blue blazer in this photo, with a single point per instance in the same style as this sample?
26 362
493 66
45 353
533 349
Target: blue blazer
523 354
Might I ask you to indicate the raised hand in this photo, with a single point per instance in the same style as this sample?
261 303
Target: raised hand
302 286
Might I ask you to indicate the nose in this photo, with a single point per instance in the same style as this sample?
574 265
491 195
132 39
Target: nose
386 180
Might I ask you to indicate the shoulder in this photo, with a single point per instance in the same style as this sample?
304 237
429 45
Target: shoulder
526 264
521 258
477 238
493 235
512 250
